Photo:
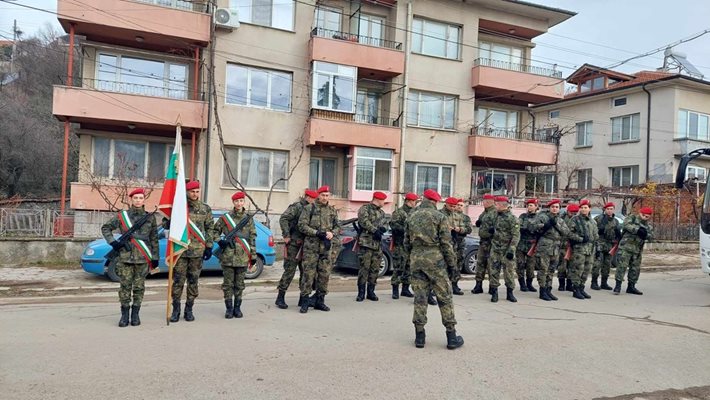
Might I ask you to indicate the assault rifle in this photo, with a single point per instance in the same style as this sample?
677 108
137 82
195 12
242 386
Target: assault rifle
231 235
533 248
125 239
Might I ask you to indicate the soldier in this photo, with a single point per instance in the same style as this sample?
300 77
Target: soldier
398 224
371 220
506 234
609 235
236 255
134 257
319 223
465 228
428 240
293 240
486 220
552 232
454 220
562 273
189 265
528 235
583 235
637 232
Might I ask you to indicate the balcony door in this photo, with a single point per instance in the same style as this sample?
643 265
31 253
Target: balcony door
369 28
368 106
328 19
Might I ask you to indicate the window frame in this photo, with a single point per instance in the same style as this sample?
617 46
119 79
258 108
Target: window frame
615 99
368 38
319 180
634 129
442 113
634 175
226 184
493 172
696 168
508 132
146 161
588 179
271 74
588 132
684 132
119 69
412 186
554 114
332 75
234 4
419 42
357 157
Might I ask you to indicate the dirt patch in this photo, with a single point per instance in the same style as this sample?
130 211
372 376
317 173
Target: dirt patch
692 393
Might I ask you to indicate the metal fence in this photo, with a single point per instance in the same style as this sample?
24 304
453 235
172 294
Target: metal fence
28 222
676 232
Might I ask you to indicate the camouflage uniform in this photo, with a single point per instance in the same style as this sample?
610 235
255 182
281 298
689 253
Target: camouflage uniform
234 261
505 241
317 253
289 228
401 274
453 218
485 222
529 227
370 218
189 265
583 235
553 231
562 271
631 248
609 233
131 266
460 243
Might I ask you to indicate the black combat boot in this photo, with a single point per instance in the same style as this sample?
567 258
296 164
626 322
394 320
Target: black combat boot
312 301
304 304
175 316
420 338
585 294
549 293
605 285
360 293
320 303
280 300
569 285
135 317
478 288
494 295
395 292
617 287
123 322
544 295
189 316
431 300
456 289
523 286
561 288
509 295
577 293
595 285
371 292
453 341
238 309
405 291
229 312
631 288
529 284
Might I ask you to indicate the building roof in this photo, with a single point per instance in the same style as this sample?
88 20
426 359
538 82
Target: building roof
585 71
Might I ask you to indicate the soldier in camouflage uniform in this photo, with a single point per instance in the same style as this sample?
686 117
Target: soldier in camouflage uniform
293 240
553 229
506 234
401 274
609 235
134 257
371 220
562 273
319 224
637 232
454 220
465 228
529 228
189 265
428 240
485 222
236 255
583 235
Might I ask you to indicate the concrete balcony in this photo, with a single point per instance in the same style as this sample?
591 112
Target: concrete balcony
516 83
330 127
375 58
151 24
511 147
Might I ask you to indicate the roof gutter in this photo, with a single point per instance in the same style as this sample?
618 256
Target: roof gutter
648 131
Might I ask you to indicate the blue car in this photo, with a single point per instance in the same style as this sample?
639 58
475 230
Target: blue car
93 261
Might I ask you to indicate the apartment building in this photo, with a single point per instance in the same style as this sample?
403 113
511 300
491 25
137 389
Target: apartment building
626 129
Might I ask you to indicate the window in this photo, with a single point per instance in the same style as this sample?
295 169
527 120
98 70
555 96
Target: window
693 172
554 114
693 125
584 179
132 159
322 172
431 110
328 19
498 123
619 101
624 176
334 87
584 134
625 128
258 87
368 106
256 168
592 84
435 38
419 177
495 182
117 73
271 13
549 182
502 56
369 28
372 168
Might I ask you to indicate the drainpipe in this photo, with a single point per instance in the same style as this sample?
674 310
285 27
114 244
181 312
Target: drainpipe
208 133
70 82
648 131
405 94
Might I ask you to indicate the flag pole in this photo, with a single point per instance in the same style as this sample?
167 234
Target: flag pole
170 292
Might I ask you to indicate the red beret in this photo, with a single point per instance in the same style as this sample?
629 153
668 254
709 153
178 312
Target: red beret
572 208
532 201
461 200
311 193
323 189
502 199
411 196
238 195
379 195
136 191
646 210
488 197
432 195
609 204
192 185
553 201
585 202
452 201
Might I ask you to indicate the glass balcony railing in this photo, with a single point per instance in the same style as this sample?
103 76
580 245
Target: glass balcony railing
530 69
351 37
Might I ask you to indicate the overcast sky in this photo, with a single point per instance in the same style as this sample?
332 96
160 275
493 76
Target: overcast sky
602 33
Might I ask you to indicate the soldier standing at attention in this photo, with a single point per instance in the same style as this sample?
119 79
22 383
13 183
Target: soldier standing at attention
293 240
637 232
484 223
236 255
189 265
371 219
554 229
398 224
133 258
528 234
562 272
609 234
465 228
506 234
428 239
583 235
454 220
319 223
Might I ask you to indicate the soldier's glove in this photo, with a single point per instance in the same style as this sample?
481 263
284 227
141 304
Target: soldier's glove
509 255
549 224
585 238
642 232
454 235
377 235
492 230
116 245
207 254
601 231
222 244
478 223
166 223
321 235
154 264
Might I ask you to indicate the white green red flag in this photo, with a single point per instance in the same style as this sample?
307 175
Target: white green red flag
173 204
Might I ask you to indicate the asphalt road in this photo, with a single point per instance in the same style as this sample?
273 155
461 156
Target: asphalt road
69 347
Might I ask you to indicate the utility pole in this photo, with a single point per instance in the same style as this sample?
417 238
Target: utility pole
14 46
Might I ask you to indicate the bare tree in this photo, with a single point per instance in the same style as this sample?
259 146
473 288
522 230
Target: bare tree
114 191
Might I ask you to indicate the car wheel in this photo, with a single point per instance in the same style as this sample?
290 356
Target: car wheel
255 270
469 267
384 265
111 271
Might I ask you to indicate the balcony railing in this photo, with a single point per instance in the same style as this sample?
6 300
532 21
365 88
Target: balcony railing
171 91
513 134
192 5
530 69
359 118
351 37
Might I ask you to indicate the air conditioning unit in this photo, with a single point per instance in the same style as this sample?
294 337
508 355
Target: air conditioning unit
226 18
